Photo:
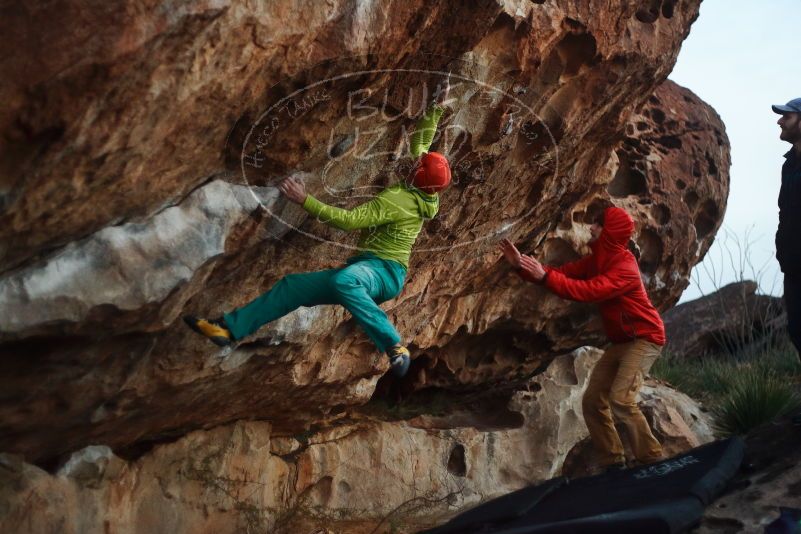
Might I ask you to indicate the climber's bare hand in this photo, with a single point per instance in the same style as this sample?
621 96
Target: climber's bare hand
293 189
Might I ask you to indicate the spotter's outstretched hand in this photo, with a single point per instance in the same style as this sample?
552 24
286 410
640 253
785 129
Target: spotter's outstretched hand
510 253
530 266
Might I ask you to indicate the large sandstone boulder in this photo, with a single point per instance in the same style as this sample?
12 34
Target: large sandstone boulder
366 472
133 193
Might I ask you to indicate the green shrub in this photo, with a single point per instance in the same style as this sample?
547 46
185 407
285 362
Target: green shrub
756 397
744 389
703 379
668 369
783 362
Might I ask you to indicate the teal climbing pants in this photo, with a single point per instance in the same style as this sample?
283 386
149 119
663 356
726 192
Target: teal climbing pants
360 286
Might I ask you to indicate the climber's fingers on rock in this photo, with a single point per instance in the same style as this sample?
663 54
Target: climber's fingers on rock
293 189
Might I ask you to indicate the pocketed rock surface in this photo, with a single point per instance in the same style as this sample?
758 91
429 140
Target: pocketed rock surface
131 193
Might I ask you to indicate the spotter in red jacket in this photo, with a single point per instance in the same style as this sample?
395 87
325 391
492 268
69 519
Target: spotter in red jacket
610 277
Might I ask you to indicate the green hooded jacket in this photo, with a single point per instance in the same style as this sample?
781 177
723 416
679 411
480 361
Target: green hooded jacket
390 222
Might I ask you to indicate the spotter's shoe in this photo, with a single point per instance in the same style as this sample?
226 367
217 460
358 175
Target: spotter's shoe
399 360
215 330
614 468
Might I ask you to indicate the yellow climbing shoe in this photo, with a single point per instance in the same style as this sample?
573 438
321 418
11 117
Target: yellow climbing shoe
215 330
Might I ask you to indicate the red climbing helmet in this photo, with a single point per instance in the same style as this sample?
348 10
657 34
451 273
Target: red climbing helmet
433 174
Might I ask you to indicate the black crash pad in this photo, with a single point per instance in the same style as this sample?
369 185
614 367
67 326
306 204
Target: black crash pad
666 497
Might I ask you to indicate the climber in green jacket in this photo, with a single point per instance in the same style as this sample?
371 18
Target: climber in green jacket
389 225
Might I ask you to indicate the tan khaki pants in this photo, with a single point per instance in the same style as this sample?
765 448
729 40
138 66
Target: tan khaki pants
612 389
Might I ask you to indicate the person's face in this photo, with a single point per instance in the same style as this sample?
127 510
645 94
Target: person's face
790 123
595 230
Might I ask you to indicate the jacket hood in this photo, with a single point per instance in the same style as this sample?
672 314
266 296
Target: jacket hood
428 204
618 228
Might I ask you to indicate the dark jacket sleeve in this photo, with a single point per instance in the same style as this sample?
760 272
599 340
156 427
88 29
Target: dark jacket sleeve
788 249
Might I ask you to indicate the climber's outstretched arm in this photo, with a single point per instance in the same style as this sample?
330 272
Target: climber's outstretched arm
375 212
426 127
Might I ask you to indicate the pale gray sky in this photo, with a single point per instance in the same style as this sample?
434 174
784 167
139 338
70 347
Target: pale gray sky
742 56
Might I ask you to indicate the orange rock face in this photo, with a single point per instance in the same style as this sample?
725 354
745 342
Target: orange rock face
363 475
138 155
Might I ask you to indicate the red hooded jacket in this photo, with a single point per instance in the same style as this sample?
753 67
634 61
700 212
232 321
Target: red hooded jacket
610 277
